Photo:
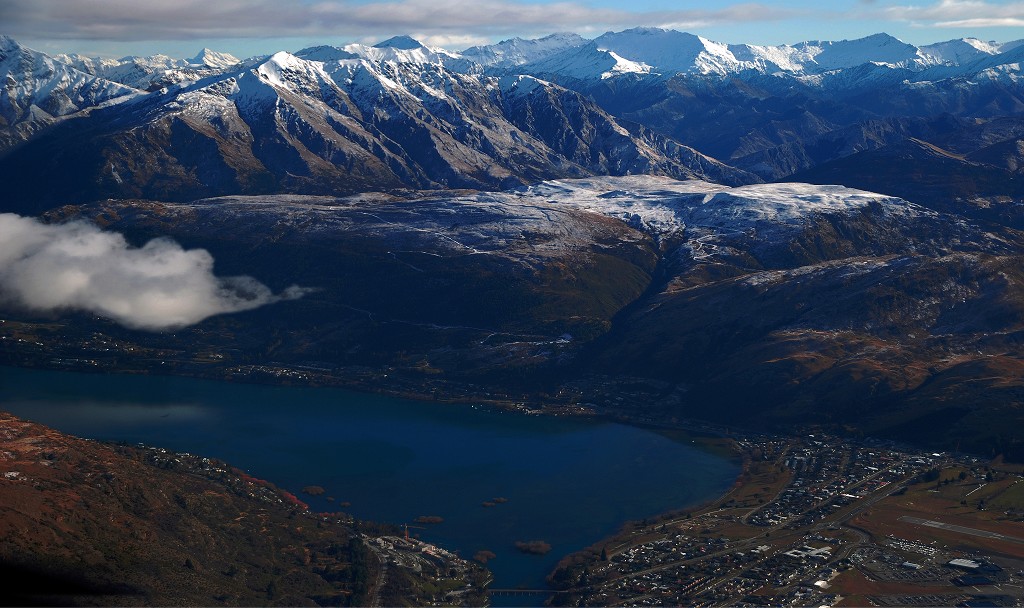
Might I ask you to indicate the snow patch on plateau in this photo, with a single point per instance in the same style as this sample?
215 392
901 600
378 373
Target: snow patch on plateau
845 269
663 205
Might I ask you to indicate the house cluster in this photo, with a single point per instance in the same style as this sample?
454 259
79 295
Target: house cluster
829 475
781 552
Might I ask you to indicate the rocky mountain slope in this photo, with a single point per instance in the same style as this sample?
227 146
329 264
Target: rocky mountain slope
155 72
86 523
399 114
983 183
288 124
38 90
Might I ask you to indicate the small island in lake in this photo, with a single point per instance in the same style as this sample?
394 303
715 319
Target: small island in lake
533 547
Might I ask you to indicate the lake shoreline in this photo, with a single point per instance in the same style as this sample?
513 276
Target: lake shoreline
626 532
674 466
285 376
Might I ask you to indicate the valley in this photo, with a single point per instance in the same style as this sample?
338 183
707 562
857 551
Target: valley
627 297
807 256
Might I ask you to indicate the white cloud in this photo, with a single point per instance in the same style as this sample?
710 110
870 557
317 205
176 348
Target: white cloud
984 22
958 13
130 20
451 41
78 266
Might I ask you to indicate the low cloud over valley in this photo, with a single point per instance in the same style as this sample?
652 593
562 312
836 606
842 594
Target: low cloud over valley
78 266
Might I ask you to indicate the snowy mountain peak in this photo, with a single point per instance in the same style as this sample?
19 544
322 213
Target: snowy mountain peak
405 43
158 60
665 52
652 39
518 51
961 51
325 53
40 89
7 43
560 38
876 48
981 45
648 31
154 72
881 39
400 49
1009 46
283 58
286 70
521 85
214 59
668 51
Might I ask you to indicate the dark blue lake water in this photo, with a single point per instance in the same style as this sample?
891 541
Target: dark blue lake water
568 482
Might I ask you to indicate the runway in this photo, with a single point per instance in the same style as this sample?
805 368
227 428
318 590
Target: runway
961 529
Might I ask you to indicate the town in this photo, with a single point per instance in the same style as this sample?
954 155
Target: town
818 521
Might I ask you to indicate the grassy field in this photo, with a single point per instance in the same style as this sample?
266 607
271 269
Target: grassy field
854 583
954 502
1009 498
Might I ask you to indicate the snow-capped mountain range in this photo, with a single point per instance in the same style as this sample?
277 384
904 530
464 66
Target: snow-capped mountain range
638 50
400 113
466 211
669 53
154 72
39 89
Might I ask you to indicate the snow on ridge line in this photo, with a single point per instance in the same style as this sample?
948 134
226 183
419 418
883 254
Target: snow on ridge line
662 204
521 84
625 66
518 51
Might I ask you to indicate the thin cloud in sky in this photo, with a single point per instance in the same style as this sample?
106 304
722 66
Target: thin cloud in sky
982 22
958 14
100 26
451 41
130 20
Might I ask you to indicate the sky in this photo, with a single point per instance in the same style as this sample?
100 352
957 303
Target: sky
246 28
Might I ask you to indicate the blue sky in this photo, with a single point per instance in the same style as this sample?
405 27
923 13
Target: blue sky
252 27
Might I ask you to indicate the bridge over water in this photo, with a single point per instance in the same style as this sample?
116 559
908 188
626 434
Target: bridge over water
501 591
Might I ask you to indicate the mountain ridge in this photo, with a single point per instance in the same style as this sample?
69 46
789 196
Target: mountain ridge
685 80
580 222
288 124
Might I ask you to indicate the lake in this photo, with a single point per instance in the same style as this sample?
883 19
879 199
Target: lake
567 481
